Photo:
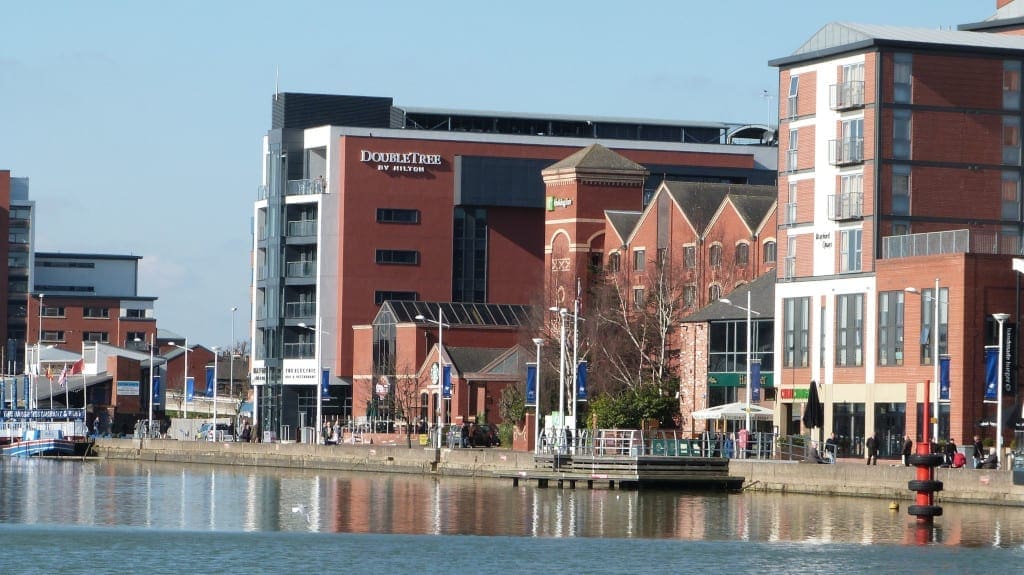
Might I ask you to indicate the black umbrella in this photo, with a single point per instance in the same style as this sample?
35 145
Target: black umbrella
814 413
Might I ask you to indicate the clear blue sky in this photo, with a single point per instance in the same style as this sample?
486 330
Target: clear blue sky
139 123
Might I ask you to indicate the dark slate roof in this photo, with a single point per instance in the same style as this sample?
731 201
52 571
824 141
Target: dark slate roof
473 359
467 314
753 208
762 300
596 156
701 200
622 222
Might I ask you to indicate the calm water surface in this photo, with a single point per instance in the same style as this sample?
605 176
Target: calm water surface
128 517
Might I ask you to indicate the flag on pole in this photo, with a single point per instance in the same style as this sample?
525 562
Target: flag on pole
63 376
77 367
49 373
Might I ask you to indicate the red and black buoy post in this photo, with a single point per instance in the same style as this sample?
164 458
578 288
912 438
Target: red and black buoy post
925 461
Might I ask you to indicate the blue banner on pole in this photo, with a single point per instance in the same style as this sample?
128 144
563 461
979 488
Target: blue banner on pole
3 393
157 399
190 388
28 391
325 384
446 382
209 381
14 393
755 380
531 385
581 381
944 378
991 372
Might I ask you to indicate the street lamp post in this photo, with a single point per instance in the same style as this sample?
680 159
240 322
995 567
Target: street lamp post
562 313
536 444
30 401
934 388
319 366
1000 319
749 311
213 431
231 363
440 366
149 422
184 377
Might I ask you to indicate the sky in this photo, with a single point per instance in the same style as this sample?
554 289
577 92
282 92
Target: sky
139 124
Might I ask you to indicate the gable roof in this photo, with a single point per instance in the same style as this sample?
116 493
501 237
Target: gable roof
701 201
622 223
596 156
762 301
839 37
473 359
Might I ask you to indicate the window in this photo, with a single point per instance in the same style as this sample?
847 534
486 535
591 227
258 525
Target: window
714 292
901 190
852 143
789 213
397 216
96 312
796 328
715 256
900 228
53 311
791 153
639 260
727 345
1011 85
614 262
849 324
850 248
1011 196
890 328
690 256
902 75
689 295
742 254
53 335
638 298
133 313
398 257
380 297
901 134
927 313
789 265
137 335
1011 140
770 252
100 336
794 90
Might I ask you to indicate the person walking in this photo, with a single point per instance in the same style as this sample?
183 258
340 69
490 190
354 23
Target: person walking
908 448
872 446
950 451
979 452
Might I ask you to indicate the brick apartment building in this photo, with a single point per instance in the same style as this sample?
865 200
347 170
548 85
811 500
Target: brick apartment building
900 165
364 202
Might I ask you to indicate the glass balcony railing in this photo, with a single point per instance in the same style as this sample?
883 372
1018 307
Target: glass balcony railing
788 267
848 206
302 269
299 350
305 187
846 96
789 214
302 228
297 309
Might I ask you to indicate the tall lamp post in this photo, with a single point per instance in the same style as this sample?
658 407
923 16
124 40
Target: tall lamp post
319 366
30 401
231 363
184 376
749 337
562 313
935 352
149 422
213 430
539 342
1000 319
440 366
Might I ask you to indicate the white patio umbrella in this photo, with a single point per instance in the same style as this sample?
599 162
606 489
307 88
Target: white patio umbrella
734 411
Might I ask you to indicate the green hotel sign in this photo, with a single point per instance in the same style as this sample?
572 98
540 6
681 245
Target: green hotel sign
733 379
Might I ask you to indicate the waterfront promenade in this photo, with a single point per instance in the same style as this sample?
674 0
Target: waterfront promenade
849 477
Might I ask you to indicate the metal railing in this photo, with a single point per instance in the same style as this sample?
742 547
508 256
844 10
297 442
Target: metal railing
791 160
299 350
789 214
656 443
927 244
846 95
848 206
788 267
845 151
306 187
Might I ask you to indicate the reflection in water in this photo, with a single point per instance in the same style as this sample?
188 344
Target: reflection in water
204 498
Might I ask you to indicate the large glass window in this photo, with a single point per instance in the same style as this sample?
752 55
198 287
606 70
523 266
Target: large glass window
1011 140
791 153
927 313
727 345
469 255
1011 196
770 253
849 330
398 257
397 216
1011 85
850 250
901 190
742 254
794 92
890 328
901 134
795 331
902 76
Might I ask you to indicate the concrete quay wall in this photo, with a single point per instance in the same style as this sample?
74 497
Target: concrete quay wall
884 481
383 458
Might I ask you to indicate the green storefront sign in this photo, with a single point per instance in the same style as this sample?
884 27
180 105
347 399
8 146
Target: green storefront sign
733 379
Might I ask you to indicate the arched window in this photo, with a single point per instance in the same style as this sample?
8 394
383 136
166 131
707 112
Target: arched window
742 254
715 255
613 262
769 252
714 292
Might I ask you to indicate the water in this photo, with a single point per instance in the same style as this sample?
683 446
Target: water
130 517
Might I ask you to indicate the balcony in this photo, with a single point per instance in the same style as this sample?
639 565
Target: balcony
846 151
299 309
299 351
985 241
261 192
788 267
301 269
791 160
846 96
848 206
305 187
789 214
302 229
